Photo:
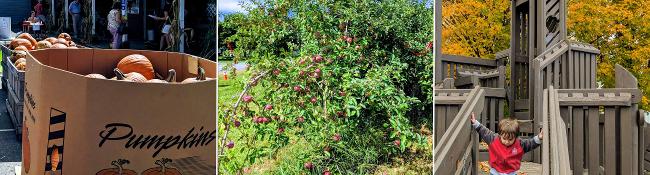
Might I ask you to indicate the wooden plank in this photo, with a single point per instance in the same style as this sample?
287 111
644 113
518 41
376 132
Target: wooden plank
582 70
545 130
565 71
571 72
521 104
635 93
441 112
449 100
625 79
593 71
595 101
641 148
610 141
629 154
481 62
522 115
563 150
593 135
556 72
457 135
577 127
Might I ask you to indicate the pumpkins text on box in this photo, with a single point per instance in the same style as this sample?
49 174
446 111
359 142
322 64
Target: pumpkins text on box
137 63
118 170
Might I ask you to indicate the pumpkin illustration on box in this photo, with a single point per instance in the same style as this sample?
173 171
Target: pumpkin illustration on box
118 170
163 169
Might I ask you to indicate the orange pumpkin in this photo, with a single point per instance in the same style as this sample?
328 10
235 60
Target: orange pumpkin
18 55
43 44
59 46
118 170
21 48
137 63
29 37
200 77
55 158
21 66
21 42
51 40
65 36
72 47
98 76
133 76
171 77
162 169
71 43
26 154
62 41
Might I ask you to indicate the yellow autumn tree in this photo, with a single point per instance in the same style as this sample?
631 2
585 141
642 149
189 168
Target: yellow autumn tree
477 28
621 30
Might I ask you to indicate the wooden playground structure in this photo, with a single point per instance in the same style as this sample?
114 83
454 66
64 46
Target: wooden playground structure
552 88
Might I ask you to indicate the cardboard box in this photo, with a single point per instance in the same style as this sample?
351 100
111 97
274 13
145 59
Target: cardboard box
92 123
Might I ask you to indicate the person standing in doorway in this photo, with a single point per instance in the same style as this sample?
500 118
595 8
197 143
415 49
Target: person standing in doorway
38 8
75 10
114 20
165 38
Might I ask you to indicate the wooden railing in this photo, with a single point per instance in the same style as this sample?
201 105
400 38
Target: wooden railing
448 65
456 151
468 78
555 150
604 129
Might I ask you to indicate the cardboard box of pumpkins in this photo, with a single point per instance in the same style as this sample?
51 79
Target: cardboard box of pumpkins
94 111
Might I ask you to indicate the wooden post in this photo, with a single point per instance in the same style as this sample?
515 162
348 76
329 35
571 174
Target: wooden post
92 31
65 7
437 40
181 25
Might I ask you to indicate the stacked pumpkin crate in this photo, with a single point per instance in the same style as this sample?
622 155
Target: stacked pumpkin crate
13 66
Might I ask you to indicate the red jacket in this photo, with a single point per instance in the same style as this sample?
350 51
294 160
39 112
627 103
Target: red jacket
505 159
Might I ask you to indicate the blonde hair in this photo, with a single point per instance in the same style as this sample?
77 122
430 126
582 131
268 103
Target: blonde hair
508 128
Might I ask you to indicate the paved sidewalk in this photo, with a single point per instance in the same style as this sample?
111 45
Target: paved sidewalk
10 154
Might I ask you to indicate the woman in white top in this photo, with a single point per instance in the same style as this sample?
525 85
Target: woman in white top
165 38
114 20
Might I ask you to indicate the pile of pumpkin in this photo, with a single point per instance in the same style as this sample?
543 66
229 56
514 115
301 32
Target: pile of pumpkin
25 42
137 68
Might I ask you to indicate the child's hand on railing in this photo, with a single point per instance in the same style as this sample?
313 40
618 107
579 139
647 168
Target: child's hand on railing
540 135
472 118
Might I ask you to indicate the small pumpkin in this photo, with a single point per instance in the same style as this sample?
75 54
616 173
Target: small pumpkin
21 42
163 168
59 46
43 45
21 48
133 76
118 170
65 36
55 158
98 76
21 66
18 55
73 47
71 43
137 63
200 77
171 77
50 39
29 37
62 41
